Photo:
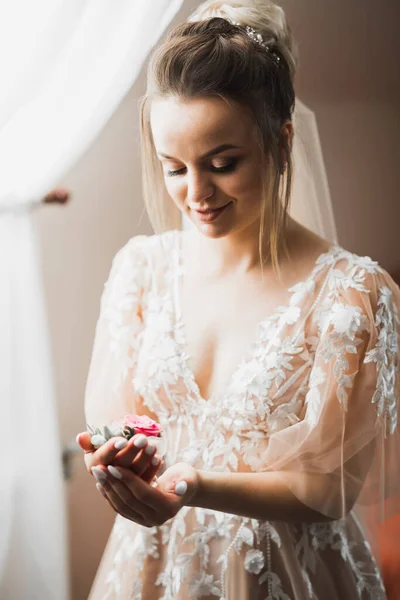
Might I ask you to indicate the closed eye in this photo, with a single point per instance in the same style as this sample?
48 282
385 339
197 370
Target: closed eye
228 168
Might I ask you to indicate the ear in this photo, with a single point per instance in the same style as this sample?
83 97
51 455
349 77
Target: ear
286 142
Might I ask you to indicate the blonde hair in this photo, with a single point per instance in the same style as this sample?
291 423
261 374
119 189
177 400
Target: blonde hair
210 55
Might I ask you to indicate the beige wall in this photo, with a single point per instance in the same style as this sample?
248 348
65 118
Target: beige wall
356 102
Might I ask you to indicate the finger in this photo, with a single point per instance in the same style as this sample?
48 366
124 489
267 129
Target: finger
146 495
125 501
152 469
134 448
83 440
121 499
105 454
143 460
124 513
120 451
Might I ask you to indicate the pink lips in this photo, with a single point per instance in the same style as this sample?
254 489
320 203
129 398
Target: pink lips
211 214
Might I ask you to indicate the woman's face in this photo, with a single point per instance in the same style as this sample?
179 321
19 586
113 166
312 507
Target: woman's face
211 162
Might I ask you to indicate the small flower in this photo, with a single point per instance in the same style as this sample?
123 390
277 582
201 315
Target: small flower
254 561
127 427
98 440
142 424
290 315
346 320
203 585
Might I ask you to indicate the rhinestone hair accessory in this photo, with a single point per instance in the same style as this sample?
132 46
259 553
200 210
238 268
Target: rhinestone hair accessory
258 39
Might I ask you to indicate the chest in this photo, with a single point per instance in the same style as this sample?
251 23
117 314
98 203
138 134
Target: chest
220 323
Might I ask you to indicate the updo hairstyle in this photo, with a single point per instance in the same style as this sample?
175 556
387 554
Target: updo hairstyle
211 55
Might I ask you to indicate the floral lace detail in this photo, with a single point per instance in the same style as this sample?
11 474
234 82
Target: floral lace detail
311 539
275 388
385 356
123 295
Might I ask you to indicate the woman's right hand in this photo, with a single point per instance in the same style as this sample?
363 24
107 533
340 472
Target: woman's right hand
126 454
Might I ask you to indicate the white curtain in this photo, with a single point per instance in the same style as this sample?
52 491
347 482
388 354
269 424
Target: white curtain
65 65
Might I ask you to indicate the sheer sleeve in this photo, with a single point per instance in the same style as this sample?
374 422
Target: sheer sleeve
344 452
109 390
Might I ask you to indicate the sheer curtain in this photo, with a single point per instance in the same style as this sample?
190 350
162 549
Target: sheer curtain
65 65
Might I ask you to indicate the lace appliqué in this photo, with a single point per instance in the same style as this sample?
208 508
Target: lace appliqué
385 356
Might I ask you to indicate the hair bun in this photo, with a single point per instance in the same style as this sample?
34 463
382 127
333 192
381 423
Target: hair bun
264 16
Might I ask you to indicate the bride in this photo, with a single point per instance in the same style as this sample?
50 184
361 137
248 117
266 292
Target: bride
268 355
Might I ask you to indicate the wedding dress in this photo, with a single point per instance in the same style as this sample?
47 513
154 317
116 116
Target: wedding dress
317 394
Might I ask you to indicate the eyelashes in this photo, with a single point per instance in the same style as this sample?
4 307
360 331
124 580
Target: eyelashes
228 168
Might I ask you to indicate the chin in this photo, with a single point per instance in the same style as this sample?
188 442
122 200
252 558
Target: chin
212 230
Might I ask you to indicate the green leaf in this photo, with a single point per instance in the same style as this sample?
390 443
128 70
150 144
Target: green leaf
108 434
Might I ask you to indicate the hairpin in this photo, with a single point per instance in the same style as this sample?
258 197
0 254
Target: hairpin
258 38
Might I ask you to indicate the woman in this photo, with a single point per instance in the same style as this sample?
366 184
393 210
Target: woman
268 355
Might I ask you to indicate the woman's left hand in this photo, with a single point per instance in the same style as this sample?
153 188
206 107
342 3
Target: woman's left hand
138 501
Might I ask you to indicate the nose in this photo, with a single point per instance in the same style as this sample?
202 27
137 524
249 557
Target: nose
199 188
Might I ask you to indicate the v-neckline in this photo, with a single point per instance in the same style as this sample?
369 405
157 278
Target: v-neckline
177 278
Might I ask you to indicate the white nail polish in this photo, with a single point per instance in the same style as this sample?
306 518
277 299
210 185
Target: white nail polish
140 442
181 488
114 472
99 475
150 449
101 489
119 444
155 460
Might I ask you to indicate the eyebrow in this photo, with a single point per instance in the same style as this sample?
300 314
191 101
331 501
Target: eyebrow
213 152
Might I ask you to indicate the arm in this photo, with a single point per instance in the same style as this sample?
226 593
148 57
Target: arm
109 392
262 496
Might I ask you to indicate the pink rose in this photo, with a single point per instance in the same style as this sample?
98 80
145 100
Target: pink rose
142 424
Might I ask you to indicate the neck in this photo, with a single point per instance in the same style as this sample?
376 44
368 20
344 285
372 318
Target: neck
237 253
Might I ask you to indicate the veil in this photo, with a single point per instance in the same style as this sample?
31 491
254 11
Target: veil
311 201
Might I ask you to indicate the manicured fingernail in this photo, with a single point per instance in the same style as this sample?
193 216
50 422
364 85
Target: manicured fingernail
77 438
181 488
140 441
150 450
114 472
119 444
155 460
101 489
99 475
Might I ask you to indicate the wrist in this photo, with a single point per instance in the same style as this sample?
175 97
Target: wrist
198 492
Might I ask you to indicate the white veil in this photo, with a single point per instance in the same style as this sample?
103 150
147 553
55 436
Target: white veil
311 200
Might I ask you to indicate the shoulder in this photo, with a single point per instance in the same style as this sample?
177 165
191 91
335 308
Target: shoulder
141 259
358 295
356 276
141 246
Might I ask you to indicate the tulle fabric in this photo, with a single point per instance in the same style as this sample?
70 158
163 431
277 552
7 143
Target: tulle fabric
344 454
109 392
